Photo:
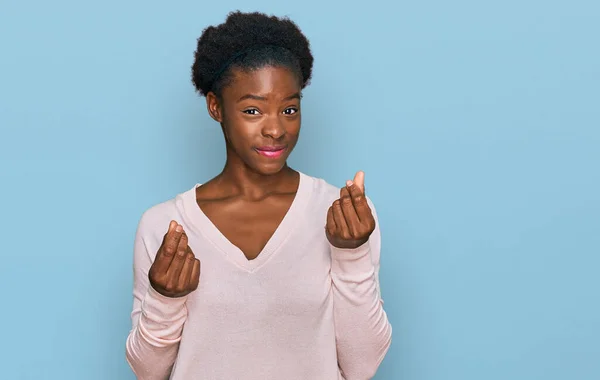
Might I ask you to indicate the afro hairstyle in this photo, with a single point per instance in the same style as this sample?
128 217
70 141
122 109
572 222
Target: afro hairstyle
249 41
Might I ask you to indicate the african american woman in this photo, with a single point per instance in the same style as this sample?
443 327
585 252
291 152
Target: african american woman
262 272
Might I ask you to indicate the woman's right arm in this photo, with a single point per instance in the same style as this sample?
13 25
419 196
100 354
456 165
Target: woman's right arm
158 317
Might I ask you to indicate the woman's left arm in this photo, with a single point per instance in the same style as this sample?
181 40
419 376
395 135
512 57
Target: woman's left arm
363 332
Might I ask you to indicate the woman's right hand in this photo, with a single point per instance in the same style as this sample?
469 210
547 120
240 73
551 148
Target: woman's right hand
175 271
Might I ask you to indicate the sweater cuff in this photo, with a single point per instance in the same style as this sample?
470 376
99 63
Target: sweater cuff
351 260
160 308
162 318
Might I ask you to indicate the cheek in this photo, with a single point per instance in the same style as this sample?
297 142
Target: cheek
294 132
238 134
293 126
237 130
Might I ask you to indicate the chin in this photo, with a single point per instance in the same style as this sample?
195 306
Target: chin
268 166
271 169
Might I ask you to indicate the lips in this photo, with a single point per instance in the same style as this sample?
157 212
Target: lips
271 151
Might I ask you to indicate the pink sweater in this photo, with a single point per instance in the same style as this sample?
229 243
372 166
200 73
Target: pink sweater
302 309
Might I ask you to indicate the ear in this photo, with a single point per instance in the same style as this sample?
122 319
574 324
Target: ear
215 110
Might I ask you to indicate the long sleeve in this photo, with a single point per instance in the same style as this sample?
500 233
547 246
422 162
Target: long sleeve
157 321
363 332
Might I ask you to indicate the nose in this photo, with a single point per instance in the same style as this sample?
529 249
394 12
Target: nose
273 128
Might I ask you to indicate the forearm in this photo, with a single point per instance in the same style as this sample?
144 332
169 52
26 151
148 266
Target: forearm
153 343
363 332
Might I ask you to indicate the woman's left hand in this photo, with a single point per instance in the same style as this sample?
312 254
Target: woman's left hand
350 221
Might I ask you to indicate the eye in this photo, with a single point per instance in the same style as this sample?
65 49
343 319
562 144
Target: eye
251 111
290 111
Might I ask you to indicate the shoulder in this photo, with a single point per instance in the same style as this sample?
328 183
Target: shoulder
323 190
156 218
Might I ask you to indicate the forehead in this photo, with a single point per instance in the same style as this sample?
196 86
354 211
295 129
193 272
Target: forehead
267 81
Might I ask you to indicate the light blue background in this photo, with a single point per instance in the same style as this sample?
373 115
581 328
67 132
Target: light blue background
477 123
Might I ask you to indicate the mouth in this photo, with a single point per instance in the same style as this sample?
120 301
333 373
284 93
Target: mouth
271 151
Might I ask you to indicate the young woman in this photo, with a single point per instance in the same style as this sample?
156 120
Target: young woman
263 272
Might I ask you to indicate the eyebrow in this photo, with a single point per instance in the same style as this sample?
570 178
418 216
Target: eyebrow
262 98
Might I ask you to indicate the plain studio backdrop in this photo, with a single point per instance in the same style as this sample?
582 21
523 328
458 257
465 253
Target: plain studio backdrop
477 124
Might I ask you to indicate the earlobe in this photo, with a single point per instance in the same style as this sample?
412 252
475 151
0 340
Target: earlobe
214 107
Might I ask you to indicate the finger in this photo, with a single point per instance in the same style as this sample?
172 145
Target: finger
349 212
331 226
359 201
359 180
172 238
183 242
177 263
168 248
340 221
186 272
172 225
195 277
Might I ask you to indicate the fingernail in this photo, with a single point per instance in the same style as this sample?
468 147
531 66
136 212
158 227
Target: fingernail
348 183
179 228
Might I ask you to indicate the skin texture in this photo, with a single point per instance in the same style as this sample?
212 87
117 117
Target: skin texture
249 198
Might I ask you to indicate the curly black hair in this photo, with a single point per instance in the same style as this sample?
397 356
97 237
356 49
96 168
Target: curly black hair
249 41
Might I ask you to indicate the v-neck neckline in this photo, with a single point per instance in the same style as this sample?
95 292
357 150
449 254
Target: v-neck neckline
203 225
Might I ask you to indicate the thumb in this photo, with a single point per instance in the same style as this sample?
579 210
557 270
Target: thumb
359 180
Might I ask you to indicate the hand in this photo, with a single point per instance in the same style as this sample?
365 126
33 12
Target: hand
175 271
350 221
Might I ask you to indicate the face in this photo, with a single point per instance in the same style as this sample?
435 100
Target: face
260 115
